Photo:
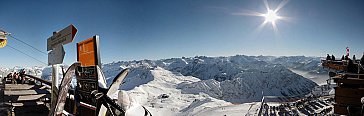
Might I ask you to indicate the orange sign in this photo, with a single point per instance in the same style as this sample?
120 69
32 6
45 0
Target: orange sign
88 53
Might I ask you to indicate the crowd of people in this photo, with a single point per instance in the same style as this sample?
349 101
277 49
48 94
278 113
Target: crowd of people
307 106
17 77
346 57
352 64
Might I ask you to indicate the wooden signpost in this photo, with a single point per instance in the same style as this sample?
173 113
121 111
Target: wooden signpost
56 55
88 54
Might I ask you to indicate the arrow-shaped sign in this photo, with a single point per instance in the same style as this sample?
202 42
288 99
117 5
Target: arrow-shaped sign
62 37
56 56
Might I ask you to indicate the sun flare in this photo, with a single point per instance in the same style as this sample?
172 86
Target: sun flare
271 16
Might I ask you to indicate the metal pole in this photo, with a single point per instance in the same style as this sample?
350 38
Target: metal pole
54 87
358 70
55 69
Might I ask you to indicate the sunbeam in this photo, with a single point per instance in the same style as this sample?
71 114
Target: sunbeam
271 16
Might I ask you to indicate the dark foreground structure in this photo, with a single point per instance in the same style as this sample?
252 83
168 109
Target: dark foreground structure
349 77
29 99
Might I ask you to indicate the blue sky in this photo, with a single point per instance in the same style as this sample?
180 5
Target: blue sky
144 29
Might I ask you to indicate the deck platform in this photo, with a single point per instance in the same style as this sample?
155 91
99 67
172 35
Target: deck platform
24 99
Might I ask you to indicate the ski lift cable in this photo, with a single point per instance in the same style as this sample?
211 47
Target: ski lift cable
27 55
9 34
27 44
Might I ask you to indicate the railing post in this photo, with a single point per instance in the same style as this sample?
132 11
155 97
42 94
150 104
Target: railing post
358 70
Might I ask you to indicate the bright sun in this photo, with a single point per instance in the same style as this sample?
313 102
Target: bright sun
271 16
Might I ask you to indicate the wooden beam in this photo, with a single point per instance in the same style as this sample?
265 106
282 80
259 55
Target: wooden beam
351 81
16 98
348 101
27 92
349 92
337 65
23 87
25 104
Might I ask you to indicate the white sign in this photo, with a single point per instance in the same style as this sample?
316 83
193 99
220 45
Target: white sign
62 37
56 56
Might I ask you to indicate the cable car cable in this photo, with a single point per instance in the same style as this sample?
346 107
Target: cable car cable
27 55
27 44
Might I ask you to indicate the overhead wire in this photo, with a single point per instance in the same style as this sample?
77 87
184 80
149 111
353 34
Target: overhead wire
28 45
27 54
8 34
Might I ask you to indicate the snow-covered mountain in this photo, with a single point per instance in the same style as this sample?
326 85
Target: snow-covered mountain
203 85
235 79
37 71
302 63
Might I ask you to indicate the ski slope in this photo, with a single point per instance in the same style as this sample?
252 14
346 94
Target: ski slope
180 104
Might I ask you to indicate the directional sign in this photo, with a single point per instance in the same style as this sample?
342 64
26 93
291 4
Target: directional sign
3 39
62 37
56 56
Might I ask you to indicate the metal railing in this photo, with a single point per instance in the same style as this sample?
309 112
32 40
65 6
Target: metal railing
37 79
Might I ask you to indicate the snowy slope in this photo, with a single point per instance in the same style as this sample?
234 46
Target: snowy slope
237 79
184 101
166 82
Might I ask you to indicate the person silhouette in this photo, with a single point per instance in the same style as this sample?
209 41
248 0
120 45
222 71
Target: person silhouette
328 57
333 57
347 57
354 59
